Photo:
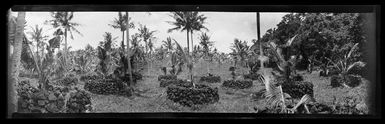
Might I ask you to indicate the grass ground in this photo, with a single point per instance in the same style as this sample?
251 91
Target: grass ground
153 98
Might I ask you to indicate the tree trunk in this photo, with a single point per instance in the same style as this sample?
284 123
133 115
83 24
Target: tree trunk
65 51
192 41
128 51
188 44
123 40
15 65
259 37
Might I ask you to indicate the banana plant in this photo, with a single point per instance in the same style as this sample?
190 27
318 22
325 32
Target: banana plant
184 57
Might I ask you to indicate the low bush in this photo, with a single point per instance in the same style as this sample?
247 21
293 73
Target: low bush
186 95
349 80
107 87
238 84
33 100
79 102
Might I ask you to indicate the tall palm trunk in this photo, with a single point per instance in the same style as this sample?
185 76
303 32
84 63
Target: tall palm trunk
188 44
128 50
192 41
259 37
15 65
65 51
123 40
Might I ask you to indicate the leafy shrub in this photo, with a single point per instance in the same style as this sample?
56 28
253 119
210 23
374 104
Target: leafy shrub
79 102
33 100
238 84
167 77
186 95
211 78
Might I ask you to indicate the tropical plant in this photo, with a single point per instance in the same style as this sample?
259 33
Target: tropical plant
168 45
285 65
104 52
62 21
146 35
347 62
188 21
206 48
121 23
239 51
275 96
38 36
197 24
185 58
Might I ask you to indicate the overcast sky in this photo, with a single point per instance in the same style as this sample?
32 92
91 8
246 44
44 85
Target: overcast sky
223 27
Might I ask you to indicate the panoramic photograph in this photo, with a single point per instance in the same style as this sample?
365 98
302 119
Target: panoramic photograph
188 61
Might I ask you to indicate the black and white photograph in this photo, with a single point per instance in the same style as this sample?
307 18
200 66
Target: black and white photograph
286 62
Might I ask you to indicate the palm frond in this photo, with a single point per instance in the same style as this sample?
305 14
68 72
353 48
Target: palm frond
352 50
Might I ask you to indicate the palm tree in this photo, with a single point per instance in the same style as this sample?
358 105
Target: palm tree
206 45
259 37
15 64
168 44
197 24
129 51
62 21
182 22
38 36
120 23
146 35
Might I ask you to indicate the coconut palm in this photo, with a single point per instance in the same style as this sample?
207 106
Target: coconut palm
259 37
129 51
120 23
168 44
38 36
62 21
206 45
197 24
146 35
15 63
187 21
